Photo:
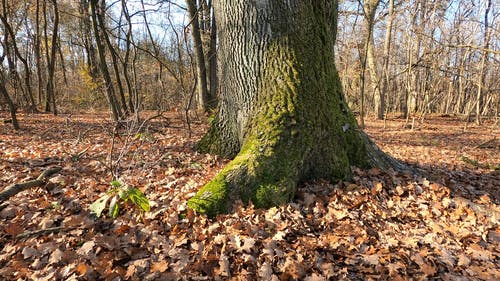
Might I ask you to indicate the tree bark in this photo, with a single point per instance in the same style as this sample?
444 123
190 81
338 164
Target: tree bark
126 60
14 189
370 8
51 64
482 66
387 51
212 58
201 69
114 56
38 57
110 91
282 110
27 75
10 103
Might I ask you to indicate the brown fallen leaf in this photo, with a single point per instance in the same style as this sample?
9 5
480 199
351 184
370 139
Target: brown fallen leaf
160 266
56 257
86 248
13 229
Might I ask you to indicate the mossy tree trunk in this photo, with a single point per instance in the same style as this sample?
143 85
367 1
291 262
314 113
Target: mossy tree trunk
282 113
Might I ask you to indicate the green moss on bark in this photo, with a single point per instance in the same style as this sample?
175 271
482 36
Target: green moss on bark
256 175
301 127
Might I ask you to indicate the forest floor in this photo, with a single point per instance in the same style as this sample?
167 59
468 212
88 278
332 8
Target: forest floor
441 225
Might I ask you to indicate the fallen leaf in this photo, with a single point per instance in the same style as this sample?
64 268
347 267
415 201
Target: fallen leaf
248 245
86 248
30 252
266 271
56 256
160 266
477 252
13 229
377 187
224 266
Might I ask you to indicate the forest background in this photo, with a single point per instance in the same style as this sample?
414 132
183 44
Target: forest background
98 91
406 57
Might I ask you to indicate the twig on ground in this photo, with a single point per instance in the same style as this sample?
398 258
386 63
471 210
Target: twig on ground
43 231
486 143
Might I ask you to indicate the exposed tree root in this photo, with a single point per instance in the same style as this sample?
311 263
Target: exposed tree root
14 189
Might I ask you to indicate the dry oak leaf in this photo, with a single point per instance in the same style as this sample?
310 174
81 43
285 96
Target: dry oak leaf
293 268
477 252
463 260
377 187
13 229
248 245
130 271
426 268
30 252
266 272
224 265
83 269
160 266
86 248
371 259
56 257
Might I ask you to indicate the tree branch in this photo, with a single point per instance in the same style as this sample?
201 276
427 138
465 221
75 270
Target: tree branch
14 189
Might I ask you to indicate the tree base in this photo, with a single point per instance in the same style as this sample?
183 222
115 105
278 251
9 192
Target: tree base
259 175
268 176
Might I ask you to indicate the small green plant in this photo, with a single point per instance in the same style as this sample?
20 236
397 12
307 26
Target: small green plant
119 195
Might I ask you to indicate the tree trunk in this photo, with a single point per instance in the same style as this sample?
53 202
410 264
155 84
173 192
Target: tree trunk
281 110
86 33
27 75
51 63
38 57
114 56
212 59
201 69
370 8
10 103
110 91
387 51
482 66
125 63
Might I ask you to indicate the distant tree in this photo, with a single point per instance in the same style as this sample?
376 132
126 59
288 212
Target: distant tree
50 102
97 8
201 69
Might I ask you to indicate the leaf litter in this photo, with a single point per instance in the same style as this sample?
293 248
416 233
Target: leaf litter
381 225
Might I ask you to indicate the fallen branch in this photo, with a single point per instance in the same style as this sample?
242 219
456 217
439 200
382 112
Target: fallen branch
43 231
14 189
486 143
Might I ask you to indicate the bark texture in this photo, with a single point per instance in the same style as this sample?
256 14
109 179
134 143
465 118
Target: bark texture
282 110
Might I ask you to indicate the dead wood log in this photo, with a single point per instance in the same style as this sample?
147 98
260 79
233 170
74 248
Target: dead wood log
14 189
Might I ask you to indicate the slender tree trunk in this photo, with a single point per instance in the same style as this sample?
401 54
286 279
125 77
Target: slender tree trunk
86 27
38 57
482 66
282 111
10 103
387 52
128 42
110 91
370 8
212 58
51 62
114 56
201 69
27 76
